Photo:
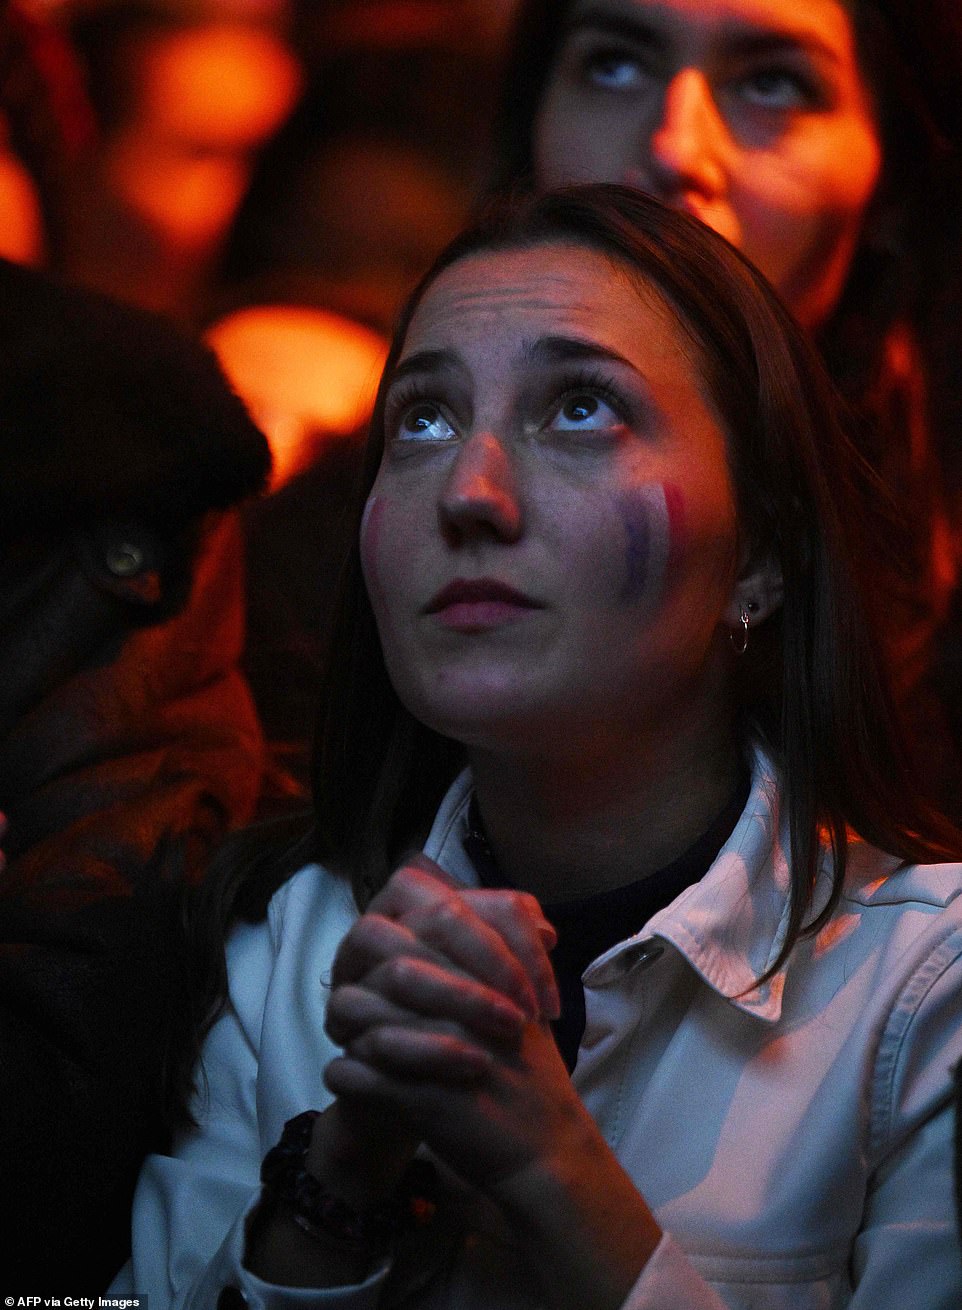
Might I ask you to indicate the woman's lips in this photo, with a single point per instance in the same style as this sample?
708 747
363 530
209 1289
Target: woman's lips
479 604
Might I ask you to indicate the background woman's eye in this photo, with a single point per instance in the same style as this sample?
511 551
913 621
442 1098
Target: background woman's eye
424 423
613 71
775 88
584 412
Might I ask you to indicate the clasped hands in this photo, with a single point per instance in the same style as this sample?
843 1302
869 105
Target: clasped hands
442 998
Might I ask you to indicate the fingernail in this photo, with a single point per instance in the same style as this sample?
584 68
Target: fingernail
509 1018
473 1064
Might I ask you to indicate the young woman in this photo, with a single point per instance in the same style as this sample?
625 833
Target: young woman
603 686
823 138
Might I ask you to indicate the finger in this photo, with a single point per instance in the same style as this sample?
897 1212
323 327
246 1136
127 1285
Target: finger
420 885
419 1055
497 1007
416 884
437 992
351 1010
407 988
521 907
372 940
518 917
439 910
453 928
354 1012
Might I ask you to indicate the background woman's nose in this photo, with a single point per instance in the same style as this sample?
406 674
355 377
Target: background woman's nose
686 146
479 497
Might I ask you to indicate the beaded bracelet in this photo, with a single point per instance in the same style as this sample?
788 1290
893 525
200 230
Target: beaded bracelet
317 1212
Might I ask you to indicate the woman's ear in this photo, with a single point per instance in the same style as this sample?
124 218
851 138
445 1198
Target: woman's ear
757 593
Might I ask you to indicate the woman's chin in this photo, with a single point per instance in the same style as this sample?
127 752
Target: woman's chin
477 713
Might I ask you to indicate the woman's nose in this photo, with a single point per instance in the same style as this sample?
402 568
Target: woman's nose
480 498
686 149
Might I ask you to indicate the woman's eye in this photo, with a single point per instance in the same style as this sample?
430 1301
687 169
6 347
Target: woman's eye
775 88
613 70
584 412
424 422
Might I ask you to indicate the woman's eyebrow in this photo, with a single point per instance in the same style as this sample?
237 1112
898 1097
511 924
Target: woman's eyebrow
603 23
428 361
568 350
742 38
749 41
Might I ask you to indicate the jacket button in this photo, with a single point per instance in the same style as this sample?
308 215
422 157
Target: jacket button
232 1298
124 559
643 954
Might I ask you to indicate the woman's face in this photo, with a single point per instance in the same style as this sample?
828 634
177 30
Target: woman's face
550 545
752 115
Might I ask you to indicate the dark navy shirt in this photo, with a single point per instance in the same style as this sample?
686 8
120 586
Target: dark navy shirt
590 925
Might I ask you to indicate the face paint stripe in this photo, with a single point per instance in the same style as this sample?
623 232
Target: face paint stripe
661 543
654 524
675 507
635 518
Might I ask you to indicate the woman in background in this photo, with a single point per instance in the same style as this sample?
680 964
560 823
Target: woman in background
822 138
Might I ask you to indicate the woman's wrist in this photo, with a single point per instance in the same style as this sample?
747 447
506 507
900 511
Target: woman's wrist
321 1212
279 1251
307 1233
359 1157
584 1223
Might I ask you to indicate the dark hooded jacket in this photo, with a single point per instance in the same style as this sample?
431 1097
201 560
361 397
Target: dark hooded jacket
128 743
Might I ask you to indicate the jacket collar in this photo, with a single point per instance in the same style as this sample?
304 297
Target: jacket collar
729 926
732 924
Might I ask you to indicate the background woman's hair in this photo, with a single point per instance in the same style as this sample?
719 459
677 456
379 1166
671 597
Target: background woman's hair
910 53
891 342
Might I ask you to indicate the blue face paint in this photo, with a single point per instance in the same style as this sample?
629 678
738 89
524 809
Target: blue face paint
634 517
652 518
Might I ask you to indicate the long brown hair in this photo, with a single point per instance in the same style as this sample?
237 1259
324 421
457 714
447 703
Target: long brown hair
891 342
812 691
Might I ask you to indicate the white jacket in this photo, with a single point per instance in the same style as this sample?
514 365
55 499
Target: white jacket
794 1140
